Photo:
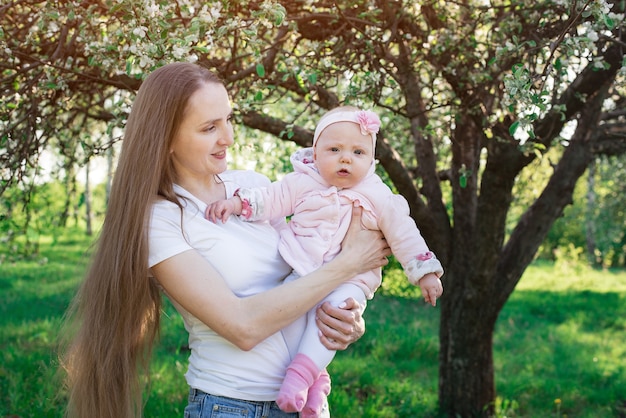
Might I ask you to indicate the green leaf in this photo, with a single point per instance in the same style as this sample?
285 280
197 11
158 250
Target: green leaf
463 181
609 22
202 49
299 80
258 96
260 70
558 64
250 33
513 127
279 15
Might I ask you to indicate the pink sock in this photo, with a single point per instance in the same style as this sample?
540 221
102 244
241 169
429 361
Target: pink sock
301 374
317 396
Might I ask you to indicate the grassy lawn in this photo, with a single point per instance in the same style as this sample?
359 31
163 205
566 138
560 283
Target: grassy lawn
560 345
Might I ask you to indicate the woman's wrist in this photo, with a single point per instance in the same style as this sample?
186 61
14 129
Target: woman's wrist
343 266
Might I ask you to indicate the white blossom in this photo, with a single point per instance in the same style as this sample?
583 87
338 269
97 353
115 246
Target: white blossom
140 31
152 10
178 52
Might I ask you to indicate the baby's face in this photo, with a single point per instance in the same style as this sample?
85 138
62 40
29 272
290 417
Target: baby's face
343 155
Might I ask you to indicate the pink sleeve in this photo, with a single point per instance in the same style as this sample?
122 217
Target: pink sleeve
406 241
276 201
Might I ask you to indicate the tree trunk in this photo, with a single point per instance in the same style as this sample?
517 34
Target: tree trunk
466 372
483 272
590 227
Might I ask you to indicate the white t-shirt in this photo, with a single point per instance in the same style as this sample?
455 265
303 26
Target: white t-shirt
246 256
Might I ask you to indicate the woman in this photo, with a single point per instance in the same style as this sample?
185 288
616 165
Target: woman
223 279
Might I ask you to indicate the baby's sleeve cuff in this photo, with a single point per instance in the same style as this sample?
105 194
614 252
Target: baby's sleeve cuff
421 265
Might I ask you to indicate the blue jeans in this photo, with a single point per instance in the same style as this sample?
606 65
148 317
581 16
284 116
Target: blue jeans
203 405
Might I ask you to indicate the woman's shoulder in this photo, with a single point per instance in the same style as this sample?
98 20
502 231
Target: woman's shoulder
245 178
163 208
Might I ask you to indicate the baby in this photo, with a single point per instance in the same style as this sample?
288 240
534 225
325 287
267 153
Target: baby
330 178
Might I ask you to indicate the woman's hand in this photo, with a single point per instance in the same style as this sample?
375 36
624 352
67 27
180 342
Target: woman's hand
340 326
362 249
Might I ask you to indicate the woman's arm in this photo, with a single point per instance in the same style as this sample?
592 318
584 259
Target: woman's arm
193 282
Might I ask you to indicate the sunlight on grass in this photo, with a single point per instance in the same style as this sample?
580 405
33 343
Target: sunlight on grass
559 337
545 276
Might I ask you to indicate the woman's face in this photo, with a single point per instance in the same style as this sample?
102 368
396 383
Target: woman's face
205 133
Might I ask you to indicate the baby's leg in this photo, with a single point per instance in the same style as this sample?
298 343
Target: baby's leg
310 345
293 332
311 359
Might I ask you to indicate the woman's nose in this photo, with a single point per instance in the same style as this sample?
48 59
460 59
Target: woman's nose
227 136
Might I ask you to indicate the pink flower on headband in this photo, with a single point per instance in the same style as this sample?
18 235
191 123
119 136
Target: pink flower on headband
369 122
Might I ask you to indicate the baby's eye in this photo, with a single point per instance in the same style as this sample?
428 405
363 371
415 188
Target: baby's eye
358 151
334 149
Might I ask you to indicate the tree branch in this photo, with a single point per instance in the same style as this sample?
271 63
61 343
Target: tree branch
535 223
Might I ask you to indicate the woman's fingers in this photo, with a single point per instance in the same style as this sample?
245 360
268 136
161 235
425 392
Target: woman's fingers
339 327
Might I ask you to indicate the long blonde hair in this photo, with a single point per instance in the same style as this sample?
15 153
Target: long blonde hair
114 318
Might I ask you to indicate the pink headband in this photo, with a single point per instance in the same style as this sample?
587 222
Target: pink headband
367 120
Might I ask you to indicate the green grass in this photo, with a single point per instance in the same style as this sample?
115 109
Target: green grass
560 345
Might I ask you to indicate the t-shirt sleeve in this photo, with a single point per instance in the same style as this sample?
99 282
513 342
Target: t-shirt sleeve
165 235
244 178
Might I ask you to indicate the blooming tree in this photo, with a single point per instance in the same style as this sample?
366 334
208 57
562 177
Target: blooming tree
471 94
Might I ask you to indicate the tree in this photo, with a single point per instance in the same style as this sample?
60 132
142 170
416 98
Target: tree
470 93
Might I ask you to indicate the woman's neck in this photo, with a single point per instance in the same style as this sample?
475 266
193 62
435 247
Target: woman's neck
208 190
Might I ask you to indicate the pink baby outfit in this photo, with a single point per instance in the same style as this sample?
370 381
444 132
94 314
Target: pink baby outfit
321 217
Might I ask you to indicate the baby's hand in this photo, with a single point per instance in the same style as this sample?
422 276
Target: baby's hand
222 209
431 288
